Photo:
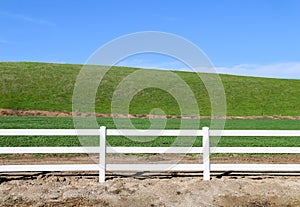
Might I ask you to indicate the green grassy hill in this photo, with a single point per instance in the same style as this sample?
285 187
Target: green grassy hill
44 86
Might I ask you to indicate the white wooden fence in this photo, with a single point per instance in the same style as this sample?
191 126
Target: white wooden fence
102 167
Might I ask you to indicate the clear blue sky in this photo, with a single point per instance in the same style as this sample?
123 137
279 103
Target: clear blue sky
250 37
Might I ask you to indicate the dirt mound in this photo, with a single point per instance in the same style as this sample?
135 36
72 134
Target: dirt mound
50 189
11 112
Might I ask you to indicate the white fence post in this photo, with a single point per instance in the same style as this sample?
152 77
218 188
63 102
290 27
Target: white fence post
206 153
102 154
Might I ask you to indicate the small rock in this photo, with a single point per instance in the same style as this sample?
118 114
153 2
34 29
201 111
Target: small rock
116 188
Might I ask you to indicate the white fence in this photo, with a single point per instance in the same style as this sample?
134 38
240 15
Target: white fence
102 167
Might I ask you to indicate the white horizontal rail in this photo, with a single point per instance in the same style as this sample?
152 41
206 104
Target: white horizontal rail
112 150
138 150
154 167
48 150
255 133
49 132
166 132
62 167
129 132
283 150
199 167
256 167
95 132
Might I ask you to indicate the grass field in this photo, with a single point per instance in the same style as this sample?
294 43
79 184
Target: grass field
44 86
66 123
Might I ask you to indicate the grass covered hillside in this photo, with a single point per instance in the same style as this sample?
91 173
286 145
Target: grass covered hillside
45 86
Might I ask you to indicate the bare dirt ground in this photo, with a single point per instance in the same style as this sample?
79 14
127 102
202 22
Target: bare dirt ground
10 112
148 189
62 189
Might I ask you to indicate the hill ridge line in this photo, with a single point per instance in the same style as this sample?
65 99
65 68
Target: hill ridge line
12 112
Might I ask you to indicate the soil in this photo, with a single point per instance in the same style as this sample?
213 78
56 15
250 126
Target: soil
148 189
62 189
149 158
10 112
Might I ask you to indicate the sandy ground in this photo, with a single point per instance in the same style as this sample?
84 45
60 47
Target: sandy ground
62 189
148 189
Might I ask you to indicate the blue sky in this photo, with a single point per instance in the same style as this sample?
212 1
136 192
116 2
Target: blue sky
254 37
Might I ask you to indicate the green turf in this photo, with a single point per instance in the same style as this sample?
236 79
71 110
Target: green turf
44 86
65 123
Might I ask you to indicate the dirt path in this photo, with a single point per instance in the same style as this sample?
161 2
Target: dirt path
10 112
151 158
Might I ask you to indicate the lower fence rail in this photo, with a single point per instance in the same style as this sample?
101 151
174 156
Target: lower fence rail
154 167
